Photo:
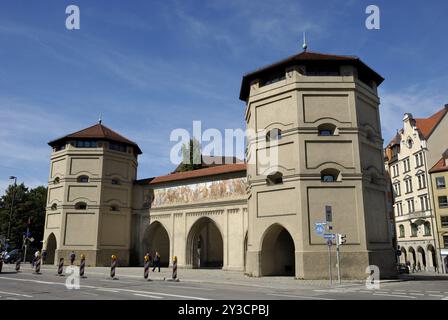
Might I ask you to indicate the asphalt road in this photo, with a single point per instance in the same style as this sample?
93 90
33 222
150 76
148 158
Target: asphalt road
48 285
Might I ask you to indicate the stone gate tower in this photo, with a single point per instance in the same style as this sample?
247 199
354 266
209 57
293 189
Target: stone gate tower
323 113
89 196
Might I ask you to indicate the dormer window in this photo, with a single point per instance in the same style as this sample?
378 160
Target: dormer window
117 147
273 78
54 207
326 129
85 144
56 180
81 206
83 179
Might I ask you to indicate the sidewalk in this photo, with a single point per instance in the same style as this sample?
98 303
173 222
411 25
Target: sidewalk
212 276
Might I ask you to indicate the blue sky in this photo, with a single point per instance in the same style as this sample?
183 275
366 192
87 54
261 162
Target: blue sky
152 66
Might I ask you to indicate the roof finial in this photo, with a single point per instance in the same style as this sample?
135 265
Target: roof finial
100 120
304 45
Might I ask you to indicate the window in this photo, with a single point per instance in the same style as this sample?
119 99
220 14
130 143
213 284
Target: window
274 135
440 182
56 180
275 178
406 165
399 209
115 181
424 203
401 229
326 129
411 206
445 241
81 206
408 184
397 189
395 170
414 230
59 148
419 159
54 207
421 181
322 70
85 144
443 202
83 179
273 78
329 175
409 142
444 221
427 228
114 208
117 147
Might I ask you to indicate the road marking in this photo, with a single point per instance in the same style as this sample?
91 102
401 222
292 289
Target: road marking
147 295
16 294
118 289
108 290
301 297
436 295
417 294
394 295
433 291
193 288
9 298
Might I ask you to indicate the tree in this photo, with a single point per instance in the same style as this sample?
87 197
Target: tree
191 156
29 204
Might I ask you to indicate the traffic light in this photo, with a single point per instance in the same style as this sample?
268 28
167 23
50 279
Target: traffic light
342 238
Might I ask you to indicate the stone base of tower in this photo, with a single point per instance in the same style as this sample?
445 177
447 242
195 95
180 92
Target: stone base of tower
95 258
314 265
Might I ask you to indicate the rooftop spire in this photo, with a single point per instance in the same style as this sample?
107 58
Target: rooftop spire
100 120
304 45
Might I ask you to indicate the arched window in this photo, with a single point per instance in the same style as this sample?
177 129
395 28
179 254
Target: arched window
274 134
329 175
414 230
54 206
83 179
115 181
114 208
81 206
326 129
401 230
56 180
275 178
427 228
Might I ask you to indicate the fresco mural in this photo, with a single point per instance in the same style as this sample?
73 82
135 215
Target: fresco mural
197 192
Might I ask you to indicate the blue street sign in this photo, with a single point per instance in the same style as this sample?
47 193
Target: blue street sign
320 228
329 236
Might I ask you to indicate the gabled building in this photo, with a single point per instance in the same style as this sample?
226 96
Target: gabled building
409 156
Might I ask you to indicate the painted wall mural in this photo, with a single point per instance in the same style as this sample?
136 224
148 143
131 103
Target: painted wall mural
205 191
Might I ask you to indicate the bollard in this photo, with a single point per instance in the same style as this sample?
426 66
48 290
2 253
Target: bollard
61 267
1 264
113 265
146 268
82 266
18 261
174 278
38 263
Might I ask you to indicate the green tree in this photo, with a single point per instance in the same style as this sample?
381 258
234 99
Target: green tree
29 204
191 156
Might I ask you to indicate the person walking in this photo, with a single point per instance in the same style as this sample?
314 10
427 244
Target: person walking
72 258
36 255
156 261
414 269
419 266
44 256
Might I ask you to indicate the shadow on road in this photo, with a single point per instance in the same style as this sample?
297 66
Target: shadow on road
424 277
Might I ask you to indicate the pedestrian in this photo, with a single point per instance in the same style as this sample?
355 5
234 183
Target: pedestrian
156 261
419 266
414 269
72 257
408 266
44 256
36 255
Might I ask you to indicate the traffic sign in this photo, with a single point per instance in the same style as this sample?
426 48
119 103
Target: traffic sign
320 228
329 236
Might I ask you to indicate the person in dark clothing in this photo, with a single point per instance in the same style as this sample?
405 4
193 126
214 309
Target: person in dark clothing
156 261
72 257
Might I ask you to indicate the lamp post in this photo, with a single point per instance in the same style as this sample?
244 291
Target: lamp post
12 207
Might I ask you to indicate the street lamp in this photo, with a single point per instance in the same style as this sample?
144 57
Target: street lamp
12 206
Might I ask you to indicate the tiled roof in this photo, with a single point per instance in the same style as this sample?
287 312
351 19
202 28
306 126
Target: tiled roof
97 131
304 57
427 125
441 165
206 172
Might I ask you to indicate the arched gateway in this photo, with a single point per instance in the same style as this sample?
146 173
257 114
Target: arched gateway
156 238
